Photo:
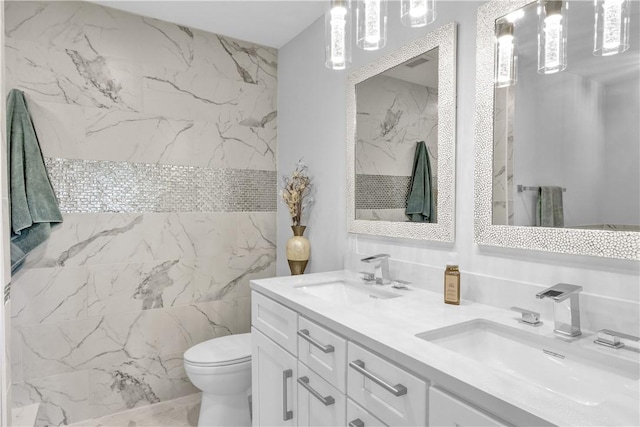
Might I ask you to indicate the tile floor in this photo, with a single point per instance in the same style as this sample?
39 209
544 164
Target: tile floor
182 412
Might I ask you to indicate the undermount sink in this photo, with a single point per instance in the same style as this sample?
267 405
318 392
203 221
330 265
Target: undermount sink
342 292
585 376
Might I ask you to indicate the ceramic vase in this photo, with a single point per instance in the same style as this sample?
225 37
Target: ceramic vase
298 250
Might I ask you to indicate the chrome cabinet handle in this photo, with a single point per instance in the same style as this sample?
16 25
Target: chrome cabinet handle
286 413
396 390
304 333
356 423
304 382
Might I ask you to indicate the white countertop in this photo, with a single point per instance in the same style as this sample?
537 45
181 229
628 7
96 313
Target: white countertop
389 326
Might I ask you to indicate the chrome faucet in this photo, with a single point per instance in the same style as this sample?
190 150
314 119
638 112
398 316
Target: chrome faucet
566 310
381 265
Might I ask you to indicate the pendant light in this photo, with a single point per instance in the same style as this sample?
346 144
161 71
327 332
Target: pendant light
505 54
552 36
417 13
338 35
371 24
611 27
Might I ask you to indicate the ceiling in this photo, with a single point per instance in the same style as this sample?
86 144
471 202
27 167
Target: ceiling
265 22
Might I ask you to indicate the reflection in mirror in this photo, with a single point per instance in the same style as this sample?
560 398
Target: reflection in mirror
398 105
566 149
502 177
396 112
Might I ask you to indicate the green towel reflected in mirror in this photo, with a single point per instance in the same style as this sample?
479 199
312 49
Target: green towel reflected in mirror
33 204
421 203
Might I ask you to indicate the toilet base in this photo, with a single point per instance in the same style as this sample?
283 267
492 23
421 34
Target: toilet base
225 410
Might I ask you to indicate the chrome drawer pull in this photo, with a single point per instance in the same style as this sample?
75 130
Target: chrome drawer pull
304 382
304 333
356 423
286 413
396 390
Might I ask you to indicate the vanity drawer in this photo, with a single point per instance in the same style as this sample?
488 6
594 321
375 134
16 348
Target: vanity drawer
359 417
275 321
393 395
319 403
323 351
447 410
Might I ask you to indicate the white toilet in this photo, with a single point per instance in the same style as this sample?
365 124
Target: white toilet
221 368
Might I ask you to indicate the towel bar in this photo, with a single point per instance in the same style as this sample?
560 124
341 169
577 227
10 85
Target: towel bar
522 188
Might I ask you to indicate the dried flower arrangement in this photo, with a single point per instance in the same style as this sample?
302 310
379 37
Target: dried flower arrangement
296 191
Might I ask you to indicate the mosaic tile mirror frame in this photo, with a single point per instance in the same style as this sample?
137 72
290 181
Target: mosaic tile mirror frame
593 242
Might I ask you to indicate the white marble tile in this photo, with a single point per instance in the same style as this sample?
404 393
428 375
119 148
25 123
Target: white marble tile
172 331
182 411
237 60
244 315
113 33
230 274
125 288
190 235
392 116
256 231
57 128
108 341
57 348
24 416
63 398
137 383
46 23
89 239
115 288
134 137
16 355
396 215
243 147
71 77
49 295
195 95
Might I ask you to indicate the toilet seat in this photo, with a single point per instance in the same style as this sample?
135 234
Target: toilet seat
222 351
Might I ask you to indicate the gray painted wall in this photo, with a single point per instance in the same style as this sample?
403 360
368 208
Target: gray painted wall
311 123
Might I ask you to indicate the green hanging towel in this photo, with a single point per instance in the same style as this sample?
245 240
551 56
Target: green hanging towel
420 204
33 204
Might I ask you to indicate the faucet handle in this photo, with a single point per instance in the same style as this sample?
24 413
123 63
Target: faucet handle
609 338
529 317
368 277
400 284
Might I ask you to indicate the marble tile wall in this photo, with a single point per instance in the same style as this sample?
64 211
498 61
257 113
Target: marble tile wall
392 116
104 310
503 187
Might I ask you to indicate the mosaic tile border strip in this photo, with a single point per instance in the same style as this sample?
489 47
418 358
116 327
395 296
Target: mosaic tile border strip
94 186
382 191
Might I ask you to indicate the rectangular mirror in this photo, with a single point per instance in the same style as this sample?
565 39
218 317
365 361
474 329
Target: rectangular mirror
557 130
401 141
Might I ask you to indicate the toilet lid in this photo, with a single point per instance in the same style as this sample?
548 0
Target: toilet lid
227 350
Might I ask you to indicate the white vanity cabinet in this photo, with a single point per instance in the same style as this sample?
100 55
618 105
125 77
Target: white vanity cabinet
274 366
360 417
307 375
391 394
319 403
273 383
449 411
